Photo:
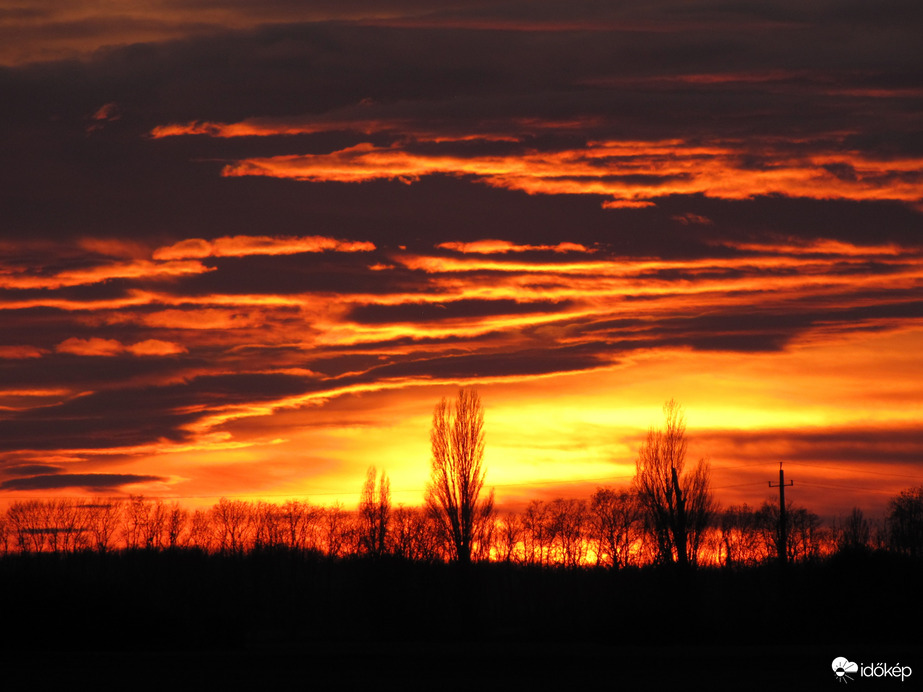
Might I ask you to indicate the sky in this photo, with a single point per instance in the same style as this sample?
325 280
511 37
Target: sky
245 248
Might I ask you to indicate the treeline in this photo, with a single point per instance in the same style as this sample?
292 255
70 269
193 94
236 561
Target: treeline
609 529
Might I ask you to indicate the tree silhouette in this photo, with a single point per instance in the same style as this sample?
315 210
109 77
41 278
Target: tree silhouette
412 534
374 513
536 537
335 529
103 519
678 504
508 537
568 524
740 538
855 532
805 539
905 522
615 520
233 522
299 524
457 476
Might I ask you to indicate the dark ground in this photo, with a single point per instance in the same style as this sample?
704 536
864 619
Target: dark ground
186 619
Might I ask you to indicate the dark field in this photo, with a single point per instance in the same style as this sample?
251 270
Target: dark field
194 619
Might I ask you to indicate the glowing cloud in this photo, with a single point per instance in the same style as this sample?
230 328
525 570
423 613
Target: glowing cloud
603 218
91 347
242 246
496 247
155 347
111 347
17 352
632 174
20 278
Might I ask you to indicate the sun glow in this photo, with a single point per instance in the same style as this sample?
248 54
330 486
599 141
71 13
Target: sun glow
254 276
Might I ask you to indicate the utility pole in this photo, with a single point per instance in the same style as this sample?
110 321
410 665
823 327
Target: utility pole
782 542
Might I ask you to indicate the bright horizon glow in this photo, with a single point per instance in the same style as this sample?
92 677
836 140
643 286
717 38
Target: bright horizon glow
255 277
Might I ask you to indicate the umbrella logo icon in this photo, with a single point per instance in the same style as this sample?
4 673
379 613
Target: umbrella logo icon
842 666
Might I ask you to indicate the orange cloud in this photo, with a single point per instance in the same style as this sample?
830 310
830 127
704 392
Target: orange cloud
631 174
692 219
822 246
155 347
202 319
90 347
355 119
257 127
242 246
17 352
491 247
111 347
20 278
627 204
114 247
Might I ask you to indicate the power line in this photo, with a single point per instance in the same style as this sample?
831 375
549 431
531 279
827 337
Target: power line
736 466
844 487
841 468
737 485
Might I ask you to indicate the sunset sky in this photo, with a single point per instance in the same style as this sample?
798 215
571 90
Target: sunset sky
246 247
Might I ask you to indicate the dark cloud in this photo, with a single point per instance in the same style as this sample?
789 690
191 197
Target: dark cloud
452 310
467 81
536 361
130 416
30 470
831 86
873 445
92 482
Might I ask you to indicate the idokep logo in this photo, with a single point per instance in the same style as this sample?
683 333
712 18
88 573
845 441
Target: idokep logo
842 667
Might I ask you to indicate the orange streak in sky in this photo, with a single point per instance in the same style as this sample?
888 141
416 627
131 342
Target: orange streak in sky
620 170
21 279
111 347
243 246
17 352
822 247
489 247
353 120
683 168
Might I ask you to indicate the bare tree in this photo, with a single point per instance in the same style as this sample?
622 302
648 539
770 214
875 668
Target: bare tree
268 525
155 524
508 538
136 515
336 529
567 526
679 503
412 534
201 532
905 522
854 533
22 517
103 518
299 520
4 536
233 523
536 537
177 523
807 535
457 477
374 513
739 537
806 539
616 526
67 525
